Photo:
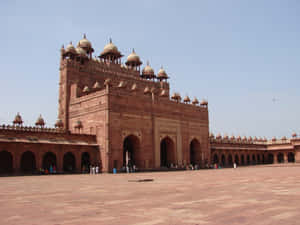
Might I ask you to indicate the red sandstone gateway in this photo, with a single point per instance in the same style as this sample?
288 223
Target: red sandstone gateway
117 116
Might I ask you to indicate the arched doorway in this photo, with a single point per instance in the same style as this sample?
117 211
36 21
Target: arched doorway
167 152
230 160
6 162
223 160
236 159
216 159
280 158
131 146
28 164
69 162
291 157
85 162
253 159
263 159
248 159
49 160
258 159
194 151
270 158
243 159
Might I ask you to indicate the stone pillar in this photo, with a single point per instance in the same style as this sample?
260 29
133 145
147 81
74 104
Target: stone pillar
285 157
59 160
78 161
275 158
16 162
297 156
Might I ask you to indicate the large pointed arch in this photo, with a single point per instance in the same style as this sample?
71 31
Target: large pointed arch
28 162
131 151
195 151
6 162
167 152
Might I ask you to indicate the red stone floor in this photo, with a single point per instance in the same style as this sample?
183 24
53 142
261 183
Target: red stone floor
250 195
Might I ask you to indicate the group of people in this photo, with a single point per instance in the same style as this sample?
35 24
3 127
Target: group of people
94 169
129 168
51 170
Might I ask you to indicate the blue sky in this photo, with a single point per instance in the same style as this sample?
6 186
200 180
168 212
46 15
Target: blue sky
237 54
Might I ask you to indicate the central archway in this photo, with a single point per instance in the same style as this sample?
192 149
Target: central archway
131 146
6 162
270 158
69 162
280 158
291 157
167 152
194 151
28 164
85 162
49 160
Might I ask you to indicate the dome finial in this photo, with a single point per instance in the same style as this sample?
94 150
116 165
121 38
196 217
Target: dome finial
133 50
110 40
84 35
148 64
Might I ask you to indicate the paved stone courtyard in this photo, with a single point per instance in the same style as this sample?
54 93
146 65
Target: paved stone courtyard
250 195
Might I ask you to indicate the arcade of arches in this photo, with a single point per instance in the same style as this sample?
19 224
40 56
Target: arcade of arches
227 158
30 162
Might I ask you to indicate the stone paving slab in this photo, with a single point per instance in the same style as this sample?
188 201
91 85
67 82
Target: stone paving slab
249 195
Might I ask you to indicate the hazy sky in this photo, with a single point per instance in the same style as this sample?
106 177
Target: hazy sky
240 55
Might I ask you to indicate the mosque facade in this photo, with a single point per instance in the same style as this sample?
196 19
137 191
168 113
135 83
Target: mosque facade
114 115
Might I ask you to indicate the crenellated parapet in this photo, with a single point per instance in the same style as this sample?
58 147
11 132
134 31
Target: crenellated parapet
31 129
250 140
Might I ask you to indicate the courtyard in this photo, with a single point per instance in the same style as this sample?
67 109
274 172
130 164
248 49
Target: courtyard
246 195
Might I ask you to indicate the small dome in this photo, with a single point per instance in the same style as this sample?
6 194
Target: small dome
204 102
232 137
148 72
122 84
273 138
226 137
134 87
284 138
186 99
59 123
176 96
18 119
164 93
71 49
97 85
133 59
239 138
294 135
162 75
219 136
107 82
111 49
86 89
195 101
40 121
81 52
211 135
244 138
147 90
250 138
84 43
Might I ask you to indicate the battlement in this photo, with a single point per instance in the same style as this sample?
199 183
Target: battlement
31 129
